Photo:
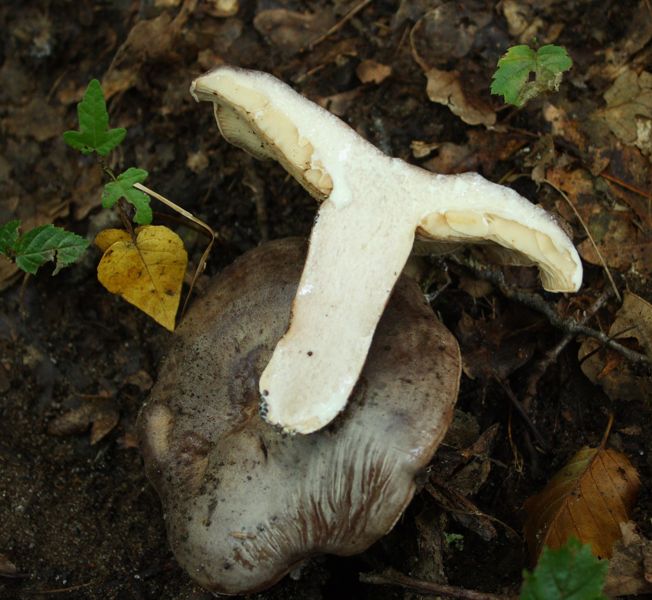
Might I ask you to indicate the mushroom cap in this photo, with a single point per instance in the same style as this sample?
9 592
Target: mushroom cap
245 502
373 207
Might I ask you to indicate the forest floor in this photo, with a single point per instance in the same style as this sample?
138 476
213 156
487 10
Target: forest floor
78 518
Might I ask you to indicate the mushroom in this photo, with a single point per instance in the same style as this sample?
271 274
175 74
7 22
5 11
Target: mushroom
244 502
372 207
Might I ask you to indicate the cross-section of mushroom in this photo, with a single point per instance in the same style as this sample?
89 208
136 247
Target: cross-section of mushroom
245 502
372 208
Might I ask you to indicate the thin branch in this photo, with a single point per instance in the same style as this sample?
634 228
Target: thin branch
536 302
392 577
552 355
343 21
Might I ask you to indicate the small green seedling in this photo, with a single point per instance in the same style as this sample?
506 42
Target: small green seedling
123 187
94 135
512 78
567 573
34 248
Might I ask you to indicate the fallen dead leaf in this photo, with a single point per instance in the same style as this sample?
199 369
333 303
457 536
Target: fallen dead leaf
147 273
221 8
339 104
100 414
7 568
370 71
447 32
616 377
292 31
493 349
483 150
444 87
623 245
629 109
588 499
630 567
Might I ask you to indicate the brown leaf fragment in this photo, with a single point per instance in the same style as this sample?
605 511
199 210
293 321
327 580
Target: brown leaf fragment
629 109
465 512
370 71
7 568
444 87
38 120
221 8
494 349
632 326
292 31
98 413
447 32
340 103
630 567
588 499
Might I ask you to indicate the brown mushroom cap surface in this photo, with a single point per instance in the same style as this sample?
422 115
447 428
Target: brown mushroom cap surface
244 502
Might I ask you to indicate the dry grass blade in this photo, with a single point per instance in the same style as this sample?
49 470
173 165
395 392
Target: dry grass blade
587 499
588 233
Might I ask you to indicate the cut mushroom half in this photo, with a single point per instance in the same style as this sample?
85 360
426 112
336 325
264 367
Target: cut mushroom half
372 208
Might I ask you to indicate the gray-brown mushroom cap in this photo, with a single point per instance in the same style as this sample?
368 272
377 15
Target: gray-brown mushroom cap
244 502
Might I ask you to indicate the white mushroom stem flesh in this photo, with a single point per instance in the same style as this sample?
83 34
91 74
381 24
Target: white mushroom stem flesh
372 208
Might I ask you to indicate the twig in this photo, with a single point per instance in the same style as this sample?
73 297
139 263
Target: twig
343 21
584 225
552 355
520 409
627 186
536 302
392 577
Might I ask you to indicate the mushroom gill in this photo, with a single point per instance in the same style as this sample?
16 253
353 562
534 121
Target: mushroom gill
245 502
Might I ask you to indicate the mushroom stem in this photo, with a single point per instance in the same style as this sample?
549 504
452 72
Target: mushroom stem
372 208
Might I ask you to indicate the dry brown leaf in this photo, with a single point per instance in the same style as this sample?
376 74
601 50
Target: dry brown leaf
370 71
618 380
100 413
588 499
340 103
147 273
629 109
630 567
444 87
7 568
221 8
292 31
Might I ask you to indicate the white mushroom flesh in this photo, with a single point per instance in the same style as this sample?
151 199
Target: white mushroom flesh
373 206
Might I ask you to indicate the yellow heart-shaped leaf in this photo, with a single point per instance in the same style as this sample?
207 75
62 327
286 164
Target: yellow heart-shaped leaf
147 273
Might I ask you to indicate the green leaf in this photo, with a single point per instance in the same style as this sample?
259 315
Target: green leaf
123 188
567 573
512 73
512 77
41 244
8 237
554 59
94 134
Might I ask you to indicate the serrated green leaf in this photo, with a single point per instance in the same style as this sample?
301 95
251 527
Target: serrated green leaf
42 244
512 73
123 188
94 134
568 573
8 237
554 58
512 77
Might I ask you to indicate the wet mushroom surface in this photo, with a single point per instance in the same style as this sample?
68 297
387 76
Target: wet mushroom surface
244 502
